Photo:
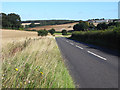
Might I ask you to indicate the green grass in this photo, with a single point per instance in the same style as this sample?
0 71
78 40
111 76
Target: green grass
59 33
36 64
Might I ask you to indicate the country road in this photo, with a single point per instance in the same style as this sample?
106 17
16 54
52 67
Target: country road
89 66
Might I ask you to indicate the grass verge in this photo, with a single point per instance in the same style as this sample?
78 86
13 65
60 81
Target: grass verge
34 63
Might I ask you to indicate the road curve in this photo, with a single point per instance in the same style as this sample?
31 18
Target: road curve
89 67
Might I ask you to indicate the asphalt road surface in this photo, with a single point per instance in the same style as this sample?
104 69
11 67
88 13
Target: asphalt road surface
89 66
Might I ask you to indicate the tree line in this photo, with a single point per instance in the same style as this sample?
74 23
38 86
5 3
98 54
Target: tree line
85 26
46 22
11 21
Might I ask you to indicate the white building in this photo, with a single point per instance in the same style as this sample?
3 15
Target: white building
98 21
101 21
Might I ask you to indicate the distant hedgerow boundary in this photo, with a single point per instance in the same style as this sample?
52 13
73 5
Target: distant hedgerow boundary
106 38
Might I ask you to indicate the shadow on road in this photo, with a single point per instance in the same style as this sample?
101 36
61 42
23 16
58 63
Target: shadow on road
103 49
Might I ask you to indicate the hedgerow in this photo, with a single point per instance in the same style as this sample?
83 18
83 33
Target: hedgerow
108 38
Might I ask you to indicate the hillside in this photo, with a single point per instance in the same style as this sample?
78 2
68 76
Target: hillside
56 27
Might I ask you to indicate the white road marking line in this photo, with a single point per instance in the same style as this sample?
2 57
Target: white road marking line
71 43
67 41
96 55
79 47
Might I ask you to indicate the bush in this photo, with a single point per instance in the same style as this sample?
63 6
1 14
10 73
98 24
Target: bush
69 26
32 25
21 28
82 26
64 32
52 31
42 33
102 26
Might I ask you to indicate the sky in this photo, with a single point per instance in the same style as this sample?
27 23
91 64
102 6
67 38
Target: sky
62 10
119 10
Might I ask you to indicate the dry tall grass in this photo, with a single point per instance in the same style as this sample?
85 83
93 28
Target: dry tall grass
34 63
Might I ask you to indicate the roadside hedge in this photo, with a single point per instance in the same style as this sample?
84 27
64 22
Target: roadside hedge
108 38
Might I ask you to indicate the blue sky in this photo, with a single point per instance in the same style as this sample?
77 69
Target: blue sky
62 10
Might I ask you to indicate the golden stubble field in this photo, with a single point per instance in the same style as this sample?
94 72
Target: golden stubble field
56 27
8 36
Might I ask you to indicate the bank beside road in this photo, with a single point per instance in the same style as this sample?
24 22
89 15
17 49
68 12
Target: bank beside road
33 63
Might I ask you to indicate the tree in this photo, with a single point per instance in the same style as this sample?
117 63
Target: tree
117 24
82 26
91 26
52 31
11 20
42 33
64 32
5 22
32 25
15 21
102 26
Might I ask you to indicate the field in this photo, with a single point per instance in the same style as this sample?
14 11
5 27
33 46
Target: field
15 35
56 27
33 62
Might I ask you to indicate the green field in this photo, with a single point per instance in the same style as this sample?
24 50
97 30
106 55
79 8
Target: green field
34 63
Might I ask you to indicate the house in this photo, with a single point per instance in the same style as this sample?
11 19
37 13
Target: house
98 20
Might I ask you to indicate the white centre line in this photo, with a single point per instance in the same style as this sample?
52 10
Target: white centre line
67 41
79 47
96 55
71 43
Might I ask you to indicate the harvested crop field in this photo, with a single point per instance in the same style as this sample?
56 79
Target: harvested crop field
16 35
56 27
